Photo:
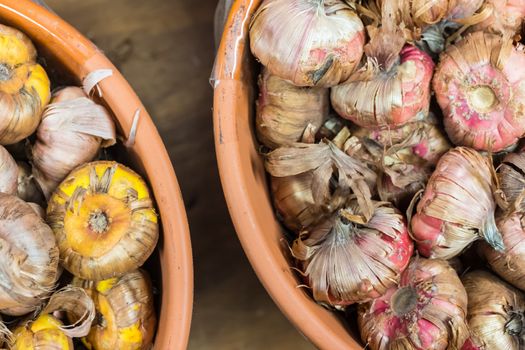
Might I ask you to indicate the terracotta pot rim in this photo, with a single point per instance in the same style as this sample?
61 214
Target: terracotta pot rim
80 56
246 191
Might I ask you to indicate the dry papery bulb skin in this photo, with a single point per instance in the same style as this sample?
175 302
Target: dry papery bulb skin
511 176
347 259
28 257
284 111
421 140
126 316
427 24
8 172
307 190
425 311
294 202
405 156
393 86
478 87
73 130
423 13
510 263
457 206
506 17
496 313
24 86
104 221
38 209
47 331
307 42
27 188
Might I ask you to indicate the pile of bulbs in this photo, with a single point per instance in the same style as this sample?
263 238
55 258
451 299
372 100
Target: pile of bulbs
75 227
393 135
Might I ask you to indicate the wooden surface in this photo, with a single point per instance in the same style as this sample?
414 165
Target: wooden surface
165 49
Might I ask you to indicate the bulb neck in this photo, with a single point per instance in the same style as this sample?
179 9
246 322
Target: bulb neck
343 230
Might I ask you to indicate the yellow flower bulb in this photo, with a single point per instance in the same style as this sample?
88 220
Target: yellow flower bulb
43 333
24 86
104 221
126 318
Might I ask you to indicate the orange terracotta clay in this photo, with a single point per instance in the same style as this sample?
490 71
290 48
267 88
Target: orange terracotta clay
61 44
246 189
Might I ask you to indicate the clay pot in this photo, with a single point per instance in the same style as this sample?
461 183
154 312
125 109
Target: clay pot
246 188
65 49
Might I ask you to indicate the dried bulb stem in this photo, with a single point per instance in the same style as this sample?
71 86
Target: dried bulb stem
399 83
505 17
404 157
285 112
510 263
511 176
